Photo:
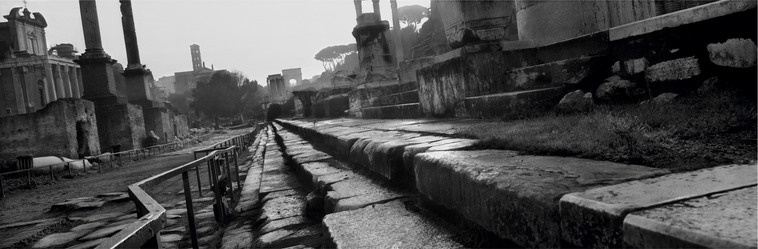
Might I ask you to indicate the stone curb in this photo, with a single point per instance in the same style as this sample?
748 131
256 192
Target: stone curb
380 151
514 196
239 233
594 218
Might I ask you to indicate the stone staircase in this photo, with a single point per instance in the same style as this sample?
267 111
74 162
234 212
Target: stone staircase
411 183
385 100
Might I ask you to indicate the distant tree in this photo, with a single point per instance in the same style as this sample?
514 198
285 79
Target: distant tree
252 99
333 56
412 15
218 97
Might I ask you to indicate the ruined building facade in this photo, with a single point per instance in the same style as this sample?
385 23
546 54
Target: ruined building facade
510 59
30 78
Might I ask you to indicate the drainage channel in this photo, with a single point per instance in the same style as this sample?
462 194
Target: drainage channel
307 198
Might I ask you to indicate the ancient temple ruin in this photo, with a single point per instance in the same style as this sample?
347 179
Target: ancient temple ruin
509 59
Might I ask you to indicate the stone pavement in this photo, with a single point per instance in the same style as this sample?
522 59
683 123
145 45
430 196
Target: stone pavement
541 201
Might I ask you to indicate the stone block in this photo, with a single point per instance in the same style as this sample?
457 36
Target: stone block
738 53
514 196
511 104
719 220
678 69
593 218
407 110
397 227
283 207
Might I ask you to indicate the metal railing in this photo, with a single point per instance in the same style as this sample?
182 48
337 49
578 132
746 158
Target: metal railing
145 232
26 165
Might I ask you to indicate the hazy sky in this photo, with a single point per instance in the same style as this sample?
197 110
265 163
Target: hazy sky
257 37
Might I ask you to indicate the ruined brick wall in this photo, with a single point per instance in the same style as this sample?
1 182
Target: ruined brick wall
181 126
126 126
66 128
159 121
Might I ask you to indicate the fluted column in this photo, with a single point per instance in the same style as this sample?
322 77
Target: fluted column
80 82
50 84
75 92
66 80
60 91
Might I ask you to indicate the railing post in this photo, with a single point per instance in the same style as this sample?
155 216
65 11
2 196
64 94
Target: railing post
199 184
2 192
217 192
26 162
190 211
237 169
229 174
52 175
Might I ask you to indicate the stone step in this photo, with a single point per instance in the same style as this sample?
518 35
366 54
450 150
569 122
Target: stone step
512 195
603 211
394 99
553 74
389 225
362 212
387 152
376 89
407 110
539 201
511 104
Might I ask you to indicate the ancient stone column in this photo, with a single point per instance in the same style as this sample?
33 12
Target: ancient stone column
91 28
79 82
130 35
66 81
136 75
358 8
399 53
60 90
96 65
50 84
376 9
75 92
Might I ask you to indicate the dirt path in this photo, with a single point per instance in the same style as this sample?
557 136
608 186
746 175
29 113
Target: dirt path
34 204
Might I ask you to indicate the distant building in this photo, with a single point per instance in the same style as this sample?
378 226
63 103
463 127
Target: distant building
184 82
277 89
30 75
166 84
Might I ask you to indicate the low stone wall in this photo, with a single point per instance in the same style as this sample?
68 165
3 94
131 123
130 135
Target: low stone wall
66 128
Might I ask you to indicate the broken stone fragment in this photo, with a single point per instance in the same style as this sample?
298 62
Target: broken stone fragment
679 69
617 89
737 53
576 101
663 98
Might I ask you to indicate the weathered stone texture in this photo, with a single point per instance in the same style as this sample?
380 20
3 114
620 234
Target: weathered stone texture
739 53
385 226
576 101
475 21
678 69
593 218
720 220
67 127
511 195
125 126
